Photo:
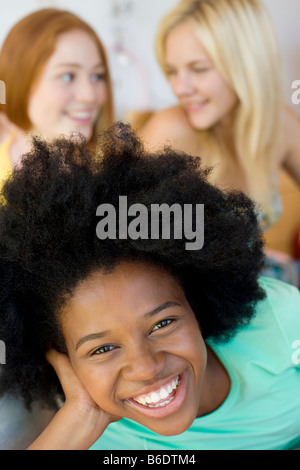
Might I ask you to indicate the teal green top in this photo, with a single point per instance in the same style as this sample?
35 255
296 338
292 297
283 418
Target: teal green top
262 409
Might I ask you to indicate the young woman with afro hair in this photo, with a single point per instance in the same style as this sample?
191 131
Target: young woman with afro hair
140 342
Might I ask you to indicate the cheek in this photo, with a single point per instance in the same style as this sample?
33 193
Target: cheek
46 102
189 345
35 108
223 93
172 82
98 381
102 94
196 347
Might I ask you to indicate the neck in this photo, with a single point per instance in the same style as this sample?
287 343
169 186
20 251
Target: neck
216 385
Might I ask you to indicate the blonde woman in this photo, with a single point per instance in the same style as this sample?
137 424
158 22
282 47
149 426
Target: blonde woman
221 59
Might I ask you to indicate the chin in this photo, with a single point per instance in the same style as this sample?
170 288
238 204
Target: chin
201 125
173 429
86 133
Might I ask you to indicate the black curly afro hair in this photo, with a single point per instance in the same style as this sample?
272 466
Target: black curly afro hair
48 244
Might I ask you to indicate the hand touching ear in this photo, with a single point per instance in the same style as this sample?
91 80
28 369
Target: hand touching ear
80 421
73 389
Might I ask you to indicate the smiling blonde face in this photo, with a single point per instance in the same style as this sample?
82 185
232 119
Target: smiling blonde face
71 90
202 92
132 338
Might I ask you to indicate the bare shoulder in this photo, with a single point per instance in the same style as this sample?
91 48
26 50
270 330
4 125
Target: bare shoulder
290 116
290 150
166 127
291 128
170 118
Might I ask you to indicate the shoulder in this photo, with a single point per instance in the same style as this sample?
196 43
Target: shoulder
290 132
290 149
276 317
167 117
291 122
167 127
279 312
269 339
280 294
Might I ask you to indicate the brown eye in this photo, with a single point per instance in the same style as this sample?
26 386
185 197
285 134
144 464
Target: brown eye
162 324
103 349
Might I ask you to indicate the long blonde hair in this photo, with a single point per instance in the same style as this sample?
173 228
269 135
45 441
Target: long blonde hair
240 40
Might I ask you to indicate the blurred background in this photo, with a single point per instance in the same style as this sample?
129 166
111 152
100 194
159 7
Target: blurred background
127 29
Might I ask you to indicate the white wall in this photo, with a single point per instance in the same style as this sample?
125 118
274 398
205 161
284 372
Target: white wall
138 82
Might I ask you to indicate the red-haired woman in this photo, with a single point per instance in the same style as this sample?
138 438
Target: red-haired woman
57 81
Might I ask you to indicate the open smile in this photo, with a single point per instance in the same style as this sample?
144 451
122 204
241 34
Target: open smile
196 106
81 116
161 401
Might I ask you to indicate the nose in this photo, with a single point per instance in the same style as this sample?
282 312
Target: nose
85 90
143 363
182 84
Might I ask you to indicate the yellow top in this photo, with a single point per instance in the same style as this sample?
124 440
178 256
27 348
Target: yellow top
5 163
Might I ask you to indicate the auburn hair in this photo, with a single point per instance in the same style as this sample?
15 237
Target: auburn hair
26 49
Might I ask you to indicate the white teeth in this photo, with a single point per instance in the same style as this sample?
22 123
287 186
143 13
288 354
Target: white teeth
196 105
155 397
80 115
163 393
161 404
174 384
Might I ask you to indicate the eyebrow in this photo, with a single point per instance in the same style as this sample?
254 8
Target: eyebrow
205 60
101 334
74 64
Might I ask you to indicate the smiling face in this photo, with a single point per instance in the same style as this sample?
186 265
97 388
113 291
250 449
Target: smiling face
200 89
135 344
71 90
